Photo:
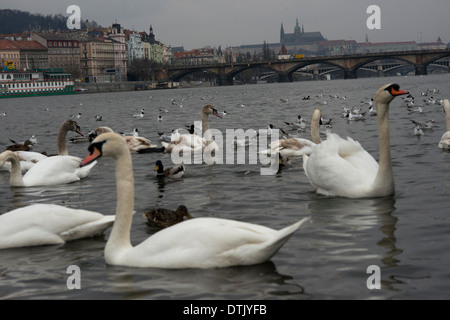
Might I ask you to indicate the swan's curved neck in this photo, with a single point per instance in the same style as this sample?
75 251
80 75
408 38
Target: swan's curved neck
447 114
384 180
315 135
120 234
61 141
205 127
15 179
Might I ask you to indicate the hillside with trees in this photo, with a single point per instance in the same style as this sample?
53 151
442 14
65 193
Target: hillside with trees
16 21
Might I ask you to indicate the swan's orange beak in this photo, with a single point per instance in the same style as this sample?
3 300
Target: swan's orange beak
398 92
94 154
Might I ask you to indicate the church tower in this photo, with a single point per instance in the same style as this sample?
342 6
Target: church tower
151 36
282 38
297 31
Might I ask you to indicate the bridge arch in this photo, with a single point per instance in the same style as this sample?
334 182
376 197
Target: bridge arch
317 75
183 73
382 69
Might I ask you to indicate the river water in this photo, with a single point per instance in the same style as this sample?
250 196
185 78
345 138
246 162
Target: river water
407 236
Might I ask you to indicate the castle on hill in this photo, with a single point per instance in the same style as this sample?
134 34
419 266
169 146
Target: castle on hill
299 36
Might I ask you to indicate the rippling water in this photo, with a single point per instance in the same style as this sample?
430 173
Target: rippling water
407 235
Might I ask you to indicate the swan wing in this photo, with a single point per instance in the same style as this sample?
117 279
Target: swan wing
138 143
46 224
208 243
184 143
56 170
290 147
27 160
340 167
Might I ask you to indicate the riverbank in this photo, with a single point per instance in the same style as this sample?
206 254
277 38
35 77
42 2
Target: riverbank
123 86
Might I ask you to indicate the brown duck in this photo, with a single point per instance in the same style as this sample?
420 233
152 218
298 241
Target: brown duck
26 146
163 218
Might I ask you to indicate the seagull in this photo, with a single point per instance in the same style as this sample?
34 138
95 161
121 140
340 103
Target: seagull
33 139
354 116
140 115
418 131
424 125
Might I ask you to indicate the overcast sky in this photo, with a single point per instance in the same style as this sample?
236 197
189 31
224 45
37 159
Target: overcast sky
199 23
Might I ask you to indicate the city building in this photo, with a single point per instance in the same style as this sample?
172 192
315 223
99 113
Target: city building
195 57
63 51
117 35
134 46
10 54
26 54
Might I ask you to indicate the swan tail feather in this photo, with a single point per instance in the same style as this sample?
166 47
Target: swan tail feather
282 236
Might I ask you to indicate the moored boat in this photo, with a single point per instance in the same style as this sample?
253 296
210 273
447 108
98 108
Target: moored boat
14 83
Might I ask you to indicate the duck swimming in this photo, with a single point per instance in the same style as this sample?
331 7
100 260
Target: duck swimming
163 218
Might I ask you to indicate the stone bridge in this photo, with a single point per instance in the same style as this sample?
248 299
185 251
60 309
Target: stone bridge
349 64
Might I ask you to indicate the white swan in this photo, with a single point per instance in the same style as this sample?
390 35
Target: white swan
29 158
195 243
135 142
444 143
49 224
292 147
49 171
193 142
341 167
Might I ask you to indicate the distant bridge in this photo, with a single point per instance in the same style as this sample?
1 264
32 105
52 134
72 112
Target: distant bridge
349 64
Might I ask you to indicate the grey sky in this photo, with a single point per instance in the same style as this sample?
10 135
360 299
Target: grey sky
199 23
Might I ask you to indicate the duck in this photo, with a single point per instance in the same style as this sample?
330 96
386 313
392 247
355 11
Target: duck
200 243
444 143
192 142
49 224
341 167
98 118
175 172
291 147
163 218
27 145
52 170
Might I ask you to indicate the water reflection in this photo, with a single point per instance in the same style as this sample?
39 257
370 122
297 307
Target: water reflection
347 224
249 282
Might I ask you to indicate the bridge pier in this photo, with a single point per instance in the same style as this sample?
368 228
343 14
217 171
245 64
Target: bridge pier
284 77
349 74
225 81
421 69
